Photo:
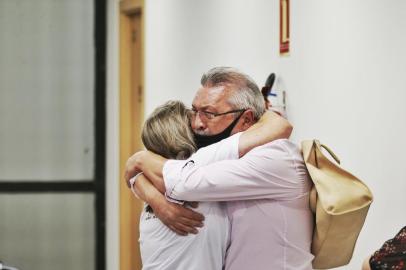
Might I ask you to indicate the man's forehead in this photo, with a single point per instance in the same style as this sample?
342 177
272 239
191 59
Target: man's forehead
211 97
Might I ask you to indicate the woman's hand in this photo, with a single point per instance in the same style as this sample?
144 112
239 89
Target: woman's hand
150 164
133 166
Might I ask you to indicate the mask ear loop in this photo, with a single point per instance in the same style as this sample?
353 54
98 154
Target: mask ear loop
234 123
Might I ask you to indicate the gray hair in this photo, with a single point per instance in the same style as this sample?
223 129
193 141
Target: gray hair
167 131
246 94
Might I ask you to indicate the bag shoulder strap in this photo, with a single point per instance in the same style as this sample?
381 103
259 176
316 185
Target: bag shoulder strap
334 156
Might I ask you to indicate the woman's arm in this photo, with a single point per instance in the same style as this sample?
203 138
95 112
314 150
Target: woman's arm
150 164
270 127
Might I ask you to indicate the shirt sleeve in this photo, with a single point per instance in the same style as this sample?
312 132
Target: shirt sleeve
272 171
223 150
132 185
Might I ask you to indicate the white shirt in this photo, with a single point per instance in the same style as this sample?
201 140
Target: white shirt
163 249
271 223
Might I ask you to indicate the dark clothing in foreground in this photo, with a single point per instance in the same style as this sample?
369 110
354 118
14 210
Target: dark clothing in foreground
392 255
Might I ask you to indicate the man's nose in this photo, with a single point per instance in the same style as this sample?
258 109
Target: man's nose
197 123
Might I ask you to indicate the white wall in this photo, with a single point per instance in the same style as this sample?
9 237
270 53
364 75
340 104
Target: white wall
346 85
344 79
186 38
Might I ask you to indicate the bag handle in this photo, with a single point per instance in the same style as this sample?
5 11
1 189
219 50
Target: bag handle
328 150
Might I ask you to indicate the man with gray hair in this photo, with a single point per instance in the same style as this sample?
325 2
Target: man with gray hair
266 190
224 88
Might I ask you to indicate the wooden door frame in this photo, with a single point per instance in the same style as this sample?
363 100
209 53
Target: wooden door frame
130 208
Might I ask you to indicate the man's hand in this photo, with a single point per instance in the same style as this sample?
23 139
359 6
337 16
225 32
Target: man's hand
178 218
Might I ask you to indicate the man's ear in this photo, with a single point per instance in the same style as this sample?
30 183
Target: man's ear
248 119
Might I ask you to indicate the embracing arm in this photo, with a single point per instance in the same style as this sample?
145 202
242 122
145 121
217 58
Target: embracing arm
268 172
179 219
270 127
150 164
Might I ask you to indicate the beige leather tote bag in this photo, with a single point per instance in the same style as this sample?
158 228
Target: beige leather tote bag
340 202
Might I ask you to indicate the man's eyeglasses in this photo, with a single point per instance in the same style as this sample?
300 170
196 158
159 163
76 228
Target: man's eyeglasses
205 115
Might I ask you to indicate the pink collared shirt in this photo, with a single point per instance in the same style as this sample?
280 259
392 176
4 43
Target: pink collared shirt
267 194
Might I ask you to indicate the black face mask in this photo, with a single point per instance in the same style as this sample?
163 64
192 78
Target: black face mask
205 140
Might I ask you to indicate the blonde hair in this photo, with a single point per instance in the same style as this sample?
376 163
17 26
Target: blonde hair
167 131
